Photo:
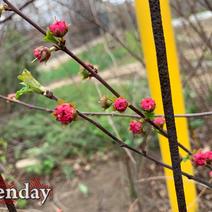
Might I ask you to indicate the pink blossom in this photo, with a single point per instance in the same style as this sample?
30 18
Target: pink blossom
136 127
210 173
120 104
65 113
148 104
59 28
208 156
199 159
42 53
159 121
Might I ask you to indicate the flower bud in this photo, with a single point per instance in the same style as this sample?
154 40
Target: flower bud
59 28
136 127
199 159
148 104
159 121
11 96
208 156
65 113
42 53
120 104
105 102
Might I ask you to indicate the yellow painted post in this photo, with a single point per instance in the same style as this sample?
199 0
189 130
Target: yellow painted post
145 27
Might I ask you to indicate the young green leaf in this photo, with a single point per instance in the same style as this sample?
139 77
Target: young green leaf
49 37
30 84
187 157
149 115
23 91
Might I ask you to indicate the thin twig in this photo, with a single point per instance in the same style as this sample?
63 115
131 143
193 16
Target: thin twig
112 114
117 141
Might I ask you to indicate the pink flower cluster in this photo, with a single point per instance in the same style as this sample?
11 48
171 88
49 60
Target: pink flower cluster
202 158
65 113
59 28
136 127
120 104
42 53
148 104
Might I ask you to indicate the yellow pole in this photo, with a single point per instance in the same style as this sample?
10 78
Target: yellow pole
145 27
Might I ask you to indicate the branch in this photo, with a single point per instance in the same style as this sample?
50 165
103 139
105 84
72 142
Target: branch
187 115
115 139
30 106
123 145
113 114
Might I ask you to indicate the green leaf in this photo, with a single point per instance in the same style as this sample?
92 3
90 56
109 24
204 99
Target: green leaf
187 157
23 91
83 188
150 115
85 74
49 37
30 84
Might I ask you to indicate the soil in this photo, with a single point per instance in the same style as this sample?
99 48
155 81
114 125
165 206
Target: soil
108 190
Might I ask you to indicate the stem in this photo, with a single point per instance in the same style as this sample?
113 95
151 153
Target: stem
113 114
167 100
115 139
144 154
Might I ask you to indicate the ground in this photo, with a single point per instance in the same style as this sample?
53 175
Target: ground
108 191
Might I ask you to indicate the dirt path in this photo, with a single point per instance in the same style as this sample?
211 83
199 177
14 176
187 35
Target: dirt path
108 191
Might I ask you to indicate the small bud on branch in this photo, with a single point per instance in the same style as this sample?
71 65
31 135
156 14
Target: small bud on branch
42 53
120 104
65 113
59 28
105 102
136 127
30 84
